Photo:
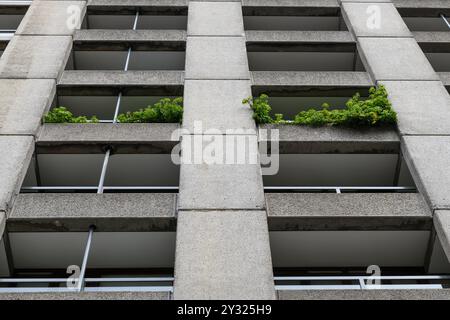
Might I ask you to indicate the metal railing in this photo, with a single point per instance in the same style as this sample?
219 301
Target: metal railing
6 35
423 282
303 189
337 189
15 2
78 284
445 20
118 288
356 283
103 188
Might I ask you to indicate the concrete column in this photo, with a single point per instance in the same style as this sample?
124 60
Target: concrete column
394 59
222 249
29 68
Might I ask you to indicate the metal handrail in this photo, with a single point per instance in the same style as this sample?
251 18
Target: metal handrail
82 288
63 280
15 2
88 289
337 189
6 35
361 283
81 280
335 278
64 188
286 188
445 20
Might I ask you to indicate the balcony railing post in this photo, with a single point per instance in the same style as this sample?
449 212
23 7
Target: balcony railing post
85 260
445 20
125 68
127 61
362 284
103 173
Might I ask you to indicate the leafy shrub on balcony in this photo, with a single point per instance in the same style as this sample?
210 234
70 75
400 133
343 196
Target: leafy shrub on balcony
166 110
374 111
62 115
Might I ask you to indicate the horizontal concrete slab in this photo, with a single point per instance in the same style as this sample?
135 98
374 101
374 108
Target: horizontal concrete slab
14 160
359 19
22 104
395 59
225 112
321 83
109 212
427 158
216 58
93 138
123 39
290 7
223 255
89 82
215 19
420 8
35 57
365 295
442 226
300 41
433 42
144 6
88 296
52 18
301 139
423 107
217 0
281 37
352 211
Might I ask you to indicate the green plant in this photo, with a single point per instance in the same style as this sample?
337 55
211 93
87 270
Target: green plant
374 111
165 110
261 108
62 115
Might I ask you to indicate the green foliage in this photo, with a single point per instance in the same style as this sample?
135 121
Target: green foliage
374 111
261 108
166 110
62 115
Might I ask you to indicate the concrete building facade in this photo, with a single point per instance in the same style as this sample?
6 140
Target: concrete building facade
105 203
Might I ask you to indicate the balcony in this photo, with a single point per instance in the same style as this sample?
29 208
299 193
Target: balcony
106 262
120 16
11 14
101 173
319 16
